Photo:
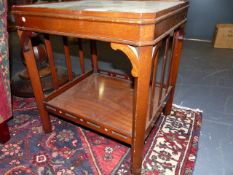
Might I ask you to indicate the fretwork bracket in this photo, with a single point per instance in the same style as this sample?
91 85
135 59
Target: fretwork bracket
132 53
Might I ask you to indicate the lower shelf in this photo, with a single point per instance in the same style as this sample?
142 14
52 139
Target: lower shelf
99 102
104 104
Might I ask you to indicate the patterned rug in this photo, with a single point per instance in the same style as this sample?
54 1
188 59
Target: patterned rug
171 148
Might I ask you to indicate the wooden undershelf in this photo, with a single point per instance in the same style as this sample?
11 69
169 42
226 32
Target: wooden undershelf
99 102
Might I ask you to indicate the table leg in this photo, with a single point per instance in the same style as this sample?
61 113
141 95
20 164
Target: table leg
94 58
176 54
4 132
81 55
140 107
34 77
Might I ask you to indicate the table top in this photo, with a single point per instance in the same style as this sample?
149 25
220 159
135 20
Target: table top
131 22
110 6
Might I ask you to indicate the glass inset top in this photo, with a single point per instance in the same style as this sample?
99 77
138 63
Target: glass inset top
111 6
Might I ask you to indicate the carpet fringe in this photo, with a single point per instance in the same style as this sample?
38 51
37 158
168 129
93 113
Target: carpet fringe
187 108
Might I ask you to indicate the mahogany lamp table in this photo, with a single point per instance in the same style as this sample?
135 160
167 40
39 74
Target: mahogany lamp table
117 105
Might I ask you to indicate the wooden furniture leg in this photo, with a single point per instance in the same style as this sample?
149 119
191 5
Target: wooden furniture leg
176 54
94 58
140 107
35 79
68 59
4 132
52 65
81 55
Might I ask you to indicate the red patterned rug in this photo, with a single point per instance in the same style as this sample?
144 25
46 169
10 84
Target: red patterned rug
171 148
